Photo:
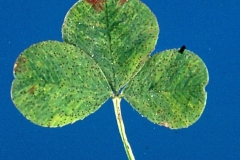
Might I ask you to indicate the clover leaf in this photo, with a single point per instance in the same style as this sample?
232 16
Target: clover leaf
106 54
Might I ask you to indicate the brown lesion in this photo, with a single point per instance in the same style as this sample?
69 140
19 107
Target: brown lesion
121 2
96 4
32 89
18 65
165 124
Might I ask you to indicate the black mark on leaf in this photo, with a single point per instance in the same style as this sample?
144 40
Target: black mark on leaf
181 50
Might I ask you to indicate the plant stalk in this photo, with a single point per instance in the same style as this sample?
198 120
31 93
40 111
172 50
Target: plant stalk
117 110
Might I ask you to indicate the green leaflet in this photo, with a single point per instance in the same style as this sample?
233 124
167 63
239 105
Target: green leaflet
170 89
119 35
57 84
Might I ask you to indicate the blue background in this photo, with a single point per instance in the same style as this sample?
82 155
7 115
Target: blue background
207 27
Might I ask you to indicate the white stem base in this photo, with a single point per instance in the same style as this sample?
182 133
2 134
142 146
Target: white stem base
117 109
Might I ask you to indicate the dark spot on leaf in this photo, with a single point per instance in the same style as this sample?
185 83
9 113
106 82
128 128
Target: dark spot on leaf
181 50
151 86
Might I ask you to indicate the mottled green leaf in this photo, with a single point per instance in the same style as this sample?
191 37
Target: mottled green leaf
57 84
170 89
118 34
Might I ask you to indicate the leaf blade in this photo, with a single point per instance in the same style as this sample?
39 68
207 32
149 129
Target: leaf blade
54 84
120 44
169 90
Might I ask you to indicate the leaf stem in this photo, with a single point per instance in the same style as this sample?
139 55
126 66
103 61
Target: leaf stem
117 110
